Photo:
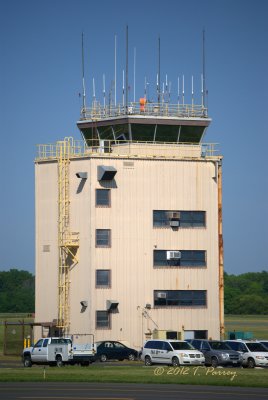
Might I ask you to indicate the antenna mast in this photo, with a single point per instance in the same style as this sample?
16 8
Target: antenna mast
127 68
83 78
203 75
159 78
115 70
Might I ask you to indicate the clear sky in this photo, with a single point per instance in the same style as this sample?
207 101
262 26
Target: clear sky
40 82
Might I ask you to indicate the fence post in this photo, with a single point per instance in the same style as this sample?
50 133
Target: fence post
5 338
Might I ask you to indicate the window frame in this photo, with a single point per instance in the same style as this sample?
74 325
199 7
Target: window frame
97 325
108 205
180 262
97 239
98 285
182 303
164 222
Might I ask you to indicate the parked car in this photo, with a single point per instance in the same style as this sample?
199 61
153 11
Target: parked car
174 352
113 350
217 352
254 353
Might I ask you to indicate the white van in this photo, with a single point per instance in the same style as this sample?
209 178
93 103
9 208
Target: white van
254 353
174 352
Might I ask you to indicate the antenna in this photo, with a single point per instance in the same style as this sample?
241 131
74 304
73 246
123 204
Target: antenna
127 68
94 94
203 75
178 90
134 69
183 89
192 90
103 80
115 70
158 76
83 77
123 88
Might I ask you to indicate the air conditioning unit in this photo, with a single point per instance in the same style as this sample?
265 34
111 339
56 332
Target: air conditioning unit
161 295
174 223
173 255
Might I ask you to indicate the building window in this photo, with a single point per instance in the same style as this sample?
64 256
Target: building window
103 237
179 258
103 198
180 219
182 298
103 278
102 320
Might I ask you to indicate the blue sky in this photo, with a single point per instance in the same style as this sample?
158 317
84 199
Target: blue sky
40 82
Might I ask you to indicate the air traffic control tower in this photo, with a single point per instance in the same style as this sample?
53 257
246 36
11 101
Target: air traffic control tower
129 226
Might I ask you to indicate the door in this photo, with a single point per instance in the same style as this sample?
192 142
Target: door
36 354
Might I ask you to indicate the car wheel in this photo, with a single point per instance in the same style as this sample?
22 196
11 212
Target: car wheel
251 363
103 358
175 362
131 357
27 362
59 361
147 361
214 362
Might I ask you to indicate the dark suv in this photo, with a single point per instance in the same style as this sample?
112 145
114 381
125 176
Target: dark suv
217 352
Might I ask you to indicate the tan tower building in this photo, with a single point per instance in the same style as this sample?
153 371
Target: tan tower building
129 226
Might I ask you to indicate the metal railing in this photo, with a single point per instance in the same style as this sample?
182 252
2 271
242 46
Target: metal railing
114 148
98 111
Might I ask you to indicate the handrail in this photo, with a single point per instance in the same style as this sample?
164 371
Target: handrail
98 111
80 148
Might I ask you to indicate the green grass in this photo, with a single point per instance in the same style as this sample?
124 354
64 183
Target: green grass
257 324
140 374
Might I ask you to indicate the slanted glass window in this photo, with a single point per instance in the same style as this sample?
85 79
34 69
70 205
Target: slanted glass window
179 219
102 320
103 198
103 238
179 258
103 277
182 298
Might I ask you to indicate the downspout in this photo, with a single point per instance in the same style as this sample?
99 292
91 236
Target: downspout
221 266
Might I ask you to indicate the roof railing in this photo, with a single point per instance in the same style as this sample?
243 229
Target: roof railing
98 111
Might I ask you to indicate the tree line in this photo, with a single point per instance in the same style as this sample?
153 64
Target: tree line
243 294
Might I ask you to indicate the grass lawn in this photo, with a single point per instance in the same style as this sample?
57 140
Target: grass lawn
140 374
257 324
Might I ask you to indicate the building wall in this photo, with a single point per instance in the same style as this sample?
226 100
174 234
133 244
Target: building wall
140 186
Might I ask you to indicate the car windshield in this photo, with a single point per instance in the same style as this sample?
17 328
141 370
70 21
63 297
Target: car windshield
219 345
256 347
181 346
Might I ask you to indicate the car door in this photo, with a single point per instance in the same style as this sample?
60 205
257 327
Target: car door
206 351
36 354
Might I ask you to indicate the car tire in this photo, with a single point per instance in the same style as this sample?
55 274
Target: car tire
103 358
175 362
147 361
131 357
59 361
214 362
251 363
27 362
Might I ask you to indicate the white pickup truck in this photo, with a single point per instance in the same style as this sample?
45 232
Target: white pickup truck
58 351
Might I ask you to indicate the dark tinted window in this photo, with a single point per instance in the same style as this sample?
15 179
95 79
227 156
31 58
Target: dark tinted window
103 197
102 319
218 345
185 258
183 298
103 237
154 344
186 219
103 277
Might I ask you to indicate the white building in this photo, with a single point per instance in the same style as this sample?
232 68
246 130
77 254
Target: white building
129 228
